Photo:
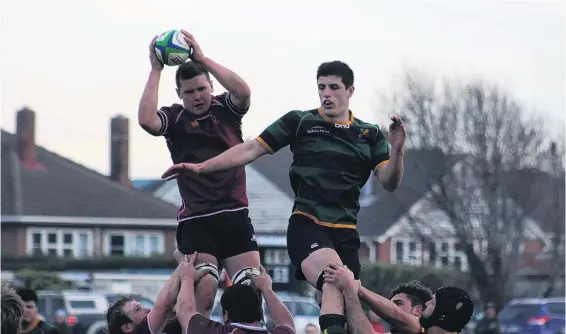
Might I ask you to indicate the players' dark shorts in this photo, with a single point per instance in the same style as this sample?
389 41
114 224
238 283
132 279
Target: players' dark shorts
304 237
223 235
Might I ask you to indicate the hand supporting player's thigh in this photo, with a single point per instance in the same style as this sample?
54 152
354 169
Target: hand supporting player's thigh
313 267
205 289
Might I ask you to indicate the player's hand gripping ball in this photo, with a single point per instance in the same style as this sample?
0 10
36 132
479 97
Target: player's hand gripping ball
171 48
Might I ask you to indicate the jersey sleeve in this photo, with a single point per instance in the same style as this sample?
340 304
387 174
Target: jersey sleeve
280 133
380 151
199 324
226 100
282 330
168 117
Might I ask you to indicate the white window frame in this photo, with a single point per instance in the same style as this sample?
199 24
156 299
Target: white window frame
130 242
414 258
60 246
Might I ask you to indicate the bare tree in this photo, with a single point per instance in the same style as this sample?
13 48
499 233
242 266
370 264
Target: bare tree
492 137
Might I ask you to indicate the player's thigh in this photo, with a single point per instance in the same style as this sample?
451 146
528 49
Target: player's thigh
347 245
310 248
195 236
238 245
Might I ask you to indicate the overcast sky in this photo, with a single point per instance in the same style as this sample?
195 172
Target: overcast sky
78 63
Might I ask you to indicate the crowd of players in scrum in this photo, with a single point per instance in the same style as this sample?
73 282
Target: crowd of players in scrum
412 308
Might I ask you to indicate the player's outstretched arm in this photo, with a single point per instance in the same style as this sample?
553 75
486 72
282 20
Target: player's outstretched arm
147 111
278 312
236 156
239 90
343 279
393 314
186 303
164 303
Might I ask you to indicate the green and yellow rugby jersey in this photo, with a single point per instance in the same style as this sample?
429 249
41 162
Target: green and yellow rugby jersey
331 162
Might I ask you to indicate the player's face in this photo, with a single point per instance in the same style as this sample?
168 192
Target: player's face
429 307
196 94
30 312
406 305
135 311
334 96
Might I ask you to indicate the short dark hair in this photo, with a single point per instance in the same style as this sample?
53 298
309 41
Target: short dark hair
115 316
417 293
12 310
189 70
27 295
339 69
243 303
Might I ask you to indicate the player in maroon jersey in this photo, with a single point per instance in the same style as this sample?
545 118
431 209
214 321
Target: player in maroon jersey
242 307
127 315
213 218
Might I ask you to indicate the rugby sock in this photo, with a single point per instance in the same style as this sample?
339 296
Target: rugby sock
332 324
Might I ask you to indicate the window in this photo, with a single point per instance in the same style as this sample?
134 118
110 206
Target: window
432 252
59 242
117 245
444 261
142 243
399 252
458 263
276 257
308 309
556 309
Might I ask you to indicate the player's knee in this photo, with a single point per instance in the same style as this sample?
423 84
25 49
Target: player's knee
241 276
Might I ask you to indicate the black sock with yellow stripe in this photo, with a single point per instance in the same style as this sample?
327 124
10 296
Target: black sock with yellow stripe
332 324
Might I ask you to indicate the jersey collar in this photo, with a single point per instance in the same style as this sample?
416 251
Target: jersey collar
326 118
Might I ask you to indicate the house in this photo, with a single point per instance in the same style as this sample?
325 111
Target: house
54 206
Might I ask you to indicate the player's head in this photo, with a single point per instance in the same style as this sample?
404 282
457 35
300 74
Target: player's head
194 87
411 297
29 297
335 81
241 303
449 309
12 310
124 315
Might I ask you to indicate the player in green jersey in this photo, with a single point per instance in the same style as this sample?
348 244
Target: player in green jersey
334 154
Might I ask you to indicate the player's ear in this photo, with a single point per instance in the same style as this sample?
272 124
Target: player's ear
417 311
211 86
127 328
178 92
351 91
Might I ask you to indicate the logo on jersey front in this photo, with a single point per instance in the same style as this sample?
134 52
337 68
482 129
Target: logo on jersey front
341 126
317 129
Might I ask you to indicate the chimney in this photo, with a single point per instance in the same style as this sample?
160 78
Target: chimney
119 150
25 143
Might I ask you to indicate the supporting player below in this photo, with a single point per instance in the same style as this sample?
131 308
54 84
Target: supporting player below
242 307
449 310
12 310
334 153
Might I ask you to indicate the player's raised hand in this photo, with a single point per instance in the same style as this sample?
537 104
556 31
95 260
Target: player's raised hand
397 133
261 281
341 277
196 54
174 171
156 64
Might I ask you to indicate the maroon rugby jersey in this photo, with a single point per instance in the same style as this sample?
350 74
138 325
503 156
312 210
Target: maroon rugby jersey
199 324
195 139
172 327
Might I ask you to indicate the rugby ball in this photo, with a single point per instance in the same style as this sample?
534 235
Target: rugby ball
171 48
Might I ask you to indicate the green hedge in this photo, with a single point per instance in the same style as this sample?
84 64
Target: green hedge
382 278
47 263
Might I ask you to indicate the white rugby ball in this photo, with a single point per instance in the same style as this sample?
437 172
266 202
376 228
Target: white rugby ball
171 48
